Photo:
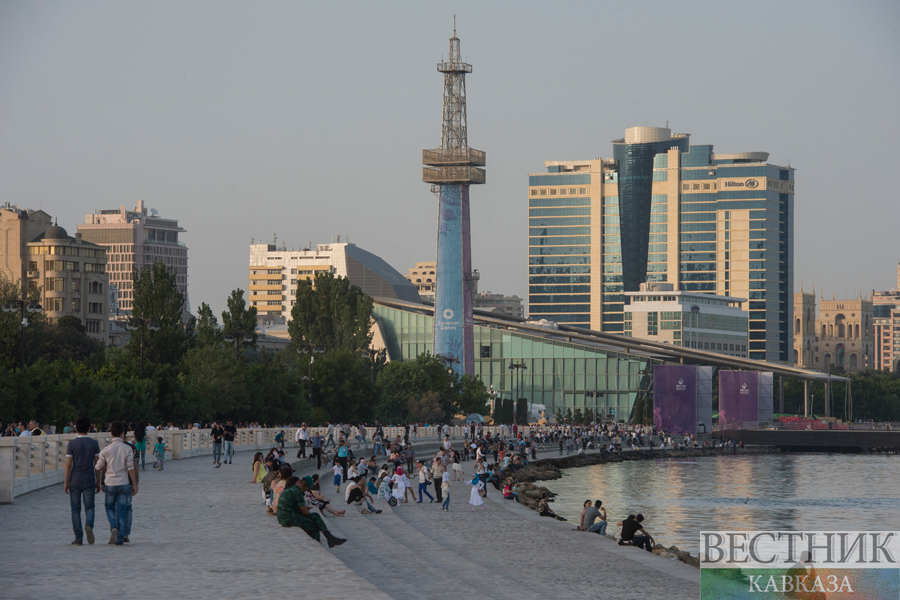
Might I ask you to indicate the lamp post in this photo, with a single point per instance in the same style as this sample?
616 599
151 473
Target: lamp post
312 351
236 337
134 324
374 355
20 306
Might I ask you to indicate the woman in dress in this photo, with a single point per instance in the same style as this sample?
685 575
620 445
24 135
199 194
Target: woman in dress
475 494
399 481
457 467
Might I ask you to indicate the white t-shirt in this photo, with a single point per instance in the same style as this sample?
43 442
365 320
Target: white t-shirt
337 469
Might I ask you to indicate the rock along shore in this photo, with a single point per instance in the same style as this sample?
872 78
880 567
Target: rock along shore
548 469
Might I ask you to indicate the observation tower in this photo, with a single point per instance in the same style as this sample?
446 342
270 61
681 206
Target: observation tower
451 169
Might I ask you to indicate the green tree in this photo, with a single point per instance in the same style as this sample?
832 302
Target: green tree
522 411
157 299
342 385
397 382
331 313
426 408
239 321
472 397
208 332
214 383
578 418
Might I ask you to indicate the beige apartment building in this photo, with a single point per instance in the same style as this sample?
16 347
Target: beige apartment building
422 276
274 273
842 336
886 312
135 239
69 271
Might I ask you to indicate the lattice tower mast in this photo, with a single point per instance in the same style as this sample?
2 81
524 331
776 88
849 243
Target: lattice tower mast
453 131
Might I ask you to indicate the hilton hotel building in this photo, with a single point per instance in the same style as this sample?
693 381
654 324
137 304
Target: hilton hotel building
663 210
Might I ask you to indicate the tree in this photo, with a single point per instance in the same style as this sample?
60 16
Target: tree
332 314
397 382
342 385
472 397
239 320
578 418
522 411
426 408
208 332
157 299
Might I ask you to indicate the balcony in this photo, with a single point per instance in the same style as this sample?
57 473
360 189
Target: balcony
448 157
32 274
441 175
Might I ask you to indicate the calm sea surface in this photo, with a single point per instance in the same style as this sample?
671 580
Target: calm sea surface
681 497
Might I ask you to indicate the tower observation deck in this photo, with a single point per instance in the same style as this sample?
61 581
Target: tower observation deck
451 169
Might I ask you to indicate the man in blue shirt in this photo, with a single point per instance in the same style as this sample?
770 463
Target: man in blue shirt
81 480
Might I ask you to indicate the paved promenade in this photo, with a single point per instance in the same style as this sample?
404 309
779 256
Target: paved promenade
201 532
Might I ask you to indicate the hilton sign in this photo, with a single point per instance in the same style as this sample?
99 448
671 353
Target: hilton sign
750 183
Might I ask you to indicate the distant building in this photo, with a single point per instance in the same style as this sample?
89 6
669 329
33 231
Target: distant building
842 337
136 240
70 272
274 273
422 276
663 210
886 314
689 319
508 305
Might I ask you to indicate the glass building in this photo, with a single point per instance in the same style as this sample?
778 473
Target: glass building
663 210
559 370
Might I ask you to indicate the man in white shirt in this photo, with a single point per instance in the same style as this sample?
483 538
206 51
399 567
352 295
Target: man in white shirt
301 438
117 472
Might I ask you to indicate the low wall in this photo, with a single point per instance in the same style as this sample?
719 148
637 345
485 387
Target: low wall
32 463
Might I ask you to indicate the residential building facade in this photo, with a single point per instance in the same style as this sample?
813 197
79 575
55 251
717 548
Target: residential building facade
422 276
690 319
135 239
508 305
69 271
840 337
663 210
886 314
274 273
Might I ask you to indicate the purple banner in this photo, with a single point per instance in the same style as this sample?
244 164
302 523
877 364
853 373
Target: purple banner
738 398
675 398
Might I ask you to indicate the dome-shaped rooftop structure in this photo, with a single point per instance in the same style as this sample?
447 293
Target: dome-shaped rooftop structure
55 232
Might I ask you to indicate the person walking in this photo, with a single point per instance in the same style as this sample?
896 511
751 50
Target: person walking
341 456
423 482
301 437
316 442
216 434
115 464
159 452
437 474
140 447
228 433
81 481
445 488
330 439
475 494
361 436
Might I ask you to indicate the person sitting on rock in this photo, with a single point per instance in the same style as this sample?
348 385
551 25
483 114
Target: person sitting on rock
293 512
544 508
510 492
629 528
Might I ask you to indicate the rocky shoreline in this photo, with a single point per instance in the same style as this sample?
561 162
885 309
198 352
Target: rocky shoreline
547 469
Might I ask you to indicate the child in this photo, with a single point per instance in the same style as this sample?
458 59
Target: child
159 451
338 473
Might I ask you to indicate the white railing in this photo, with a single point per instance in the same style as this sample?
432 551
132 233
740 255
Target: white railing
31 463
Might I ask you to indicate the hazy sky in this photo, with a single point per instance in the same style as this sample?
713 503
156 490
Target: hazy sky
307 120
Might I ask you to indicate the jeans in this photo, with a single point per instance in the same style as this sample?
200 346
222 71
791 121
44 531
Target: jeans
362 439
302 453
118 500
317 452
642 541
598 527
217 452
330 441
141 459
438 492
229 451
423 487
446 504
77 491
379 449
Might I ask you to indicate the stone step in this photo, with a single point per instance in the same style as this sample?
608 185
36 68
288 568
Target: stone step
399 564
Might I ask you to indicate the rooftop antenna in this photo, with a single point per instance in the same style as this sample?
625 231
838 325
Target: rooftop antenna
274 239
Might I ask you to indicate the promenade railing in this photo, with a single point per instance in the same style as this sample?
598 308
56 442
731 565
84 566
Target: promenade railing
31 463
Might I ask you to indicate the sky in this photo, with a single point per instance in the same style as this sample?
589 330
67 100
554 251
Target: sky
307 120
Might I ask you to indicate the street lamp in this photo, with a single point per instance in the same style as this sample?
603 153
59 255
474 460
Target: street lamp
134 324
311 350
374 355
236 338
20 306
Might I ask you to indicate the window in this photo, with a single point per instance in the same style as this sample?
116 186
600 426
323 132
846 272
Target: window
76 285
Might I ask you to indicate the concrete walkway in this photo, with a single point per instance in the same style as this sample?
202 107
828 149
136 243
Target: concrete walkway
201 532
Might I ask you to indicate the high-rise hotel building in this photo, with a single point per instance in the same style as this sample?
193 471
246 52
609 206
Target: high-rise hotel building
663 210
